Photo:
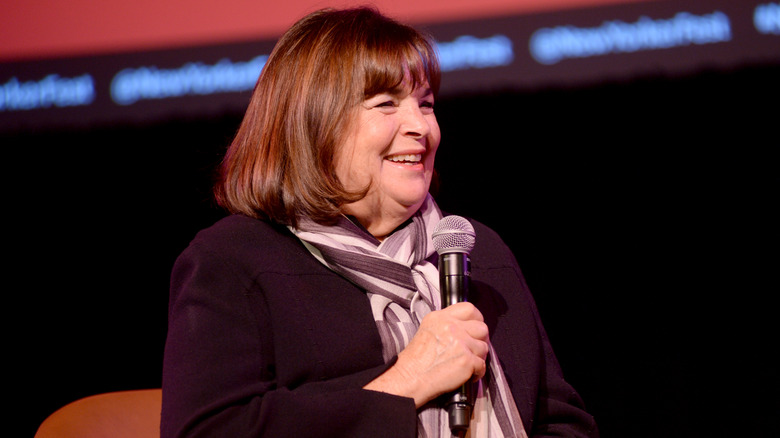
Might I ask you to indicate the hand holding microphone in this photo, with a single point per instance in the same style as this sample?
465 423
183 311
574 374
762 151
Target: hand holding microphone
451 345
454 239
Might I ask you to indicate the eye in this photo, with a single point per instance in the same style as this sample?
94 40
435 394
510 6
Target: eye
383 101
427 105
386 105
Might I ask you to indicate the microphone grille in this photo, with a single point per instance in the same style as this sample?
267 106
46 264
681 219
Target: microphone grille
453 234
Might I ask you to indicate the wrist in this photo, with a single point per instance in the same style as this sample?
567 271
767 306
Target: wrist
397 382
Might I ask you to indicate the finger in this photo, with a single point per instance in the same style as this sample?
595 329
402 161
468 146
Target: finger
478 348
480 372
480 369
471 357
464 311
476 329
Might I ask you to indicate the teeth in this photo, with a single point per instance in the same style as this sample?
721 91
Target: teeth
410 157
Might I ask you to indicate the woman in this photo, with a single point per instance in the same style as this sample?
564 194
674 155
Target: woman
313 310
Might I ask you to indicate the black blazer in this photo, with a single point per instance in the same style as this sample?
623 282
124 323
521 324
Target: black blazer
264 340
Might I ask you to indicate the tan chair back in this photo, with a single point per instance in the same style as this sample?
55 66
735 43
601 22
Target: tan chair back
122 414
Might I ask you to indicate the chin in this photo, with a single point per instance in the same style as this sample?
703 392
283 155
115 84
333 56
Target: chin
413 202
410 194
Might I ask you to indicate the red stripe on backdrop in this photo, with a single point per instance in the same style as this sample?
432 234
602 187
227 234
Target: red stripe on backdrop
56 28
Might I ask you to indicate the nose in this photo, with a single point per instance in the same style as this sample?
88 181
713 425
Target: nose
415 124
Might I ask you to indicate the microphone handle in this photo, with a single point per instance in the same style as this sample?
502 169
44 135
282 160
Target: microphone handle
454 278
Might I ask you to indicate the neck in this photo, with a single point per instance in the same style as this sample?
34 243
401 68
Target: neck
380 228
379 225
380 219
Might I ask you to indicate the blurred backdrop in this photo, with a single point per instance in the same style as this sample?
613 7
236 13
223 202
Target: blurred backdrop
623 149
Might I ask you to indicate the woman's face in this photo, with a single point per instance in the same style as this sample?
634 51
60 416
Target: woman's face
392 145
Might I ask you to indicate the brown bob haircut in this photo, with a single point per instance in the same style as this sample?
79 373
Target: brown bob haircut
280 166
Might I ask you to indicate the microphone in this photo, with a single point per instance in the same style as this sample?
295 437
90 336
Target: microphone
453 238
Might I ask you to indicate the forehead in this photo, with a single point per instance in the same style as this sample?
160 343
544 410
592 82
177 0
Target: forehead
406 68
409 88
407 83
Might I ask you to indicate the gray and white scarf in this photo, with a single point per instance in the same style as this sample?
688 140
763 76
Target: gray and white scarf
401 279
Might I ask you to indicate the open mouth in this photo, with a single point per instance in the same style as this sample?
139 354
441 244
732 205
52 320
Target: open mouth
406 159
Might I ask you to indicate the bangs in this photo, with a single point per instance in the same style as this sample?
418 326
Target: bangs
387 68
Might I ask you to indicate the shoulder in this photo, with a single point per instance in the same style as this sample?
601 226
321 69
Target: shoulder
490 250
238 226
242 240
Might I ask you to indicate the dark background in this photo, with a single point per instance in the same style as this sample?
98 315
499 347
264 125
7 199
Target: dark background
641 212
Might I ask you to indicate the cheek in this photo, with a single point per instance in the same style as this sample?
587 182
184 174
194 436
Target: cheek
353 166
435 134
349 156
345 162
434 140
430 158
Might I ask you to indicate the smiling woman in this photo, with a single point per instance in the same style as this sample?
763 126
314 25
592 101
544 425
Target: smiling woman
314 309
306 106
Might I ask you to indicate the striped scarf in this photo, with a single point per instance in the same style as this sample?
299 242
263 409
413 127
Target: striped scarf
401 279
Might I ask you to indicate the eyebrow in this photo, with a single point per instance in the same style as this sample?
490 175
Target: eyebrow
427 91
398 91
